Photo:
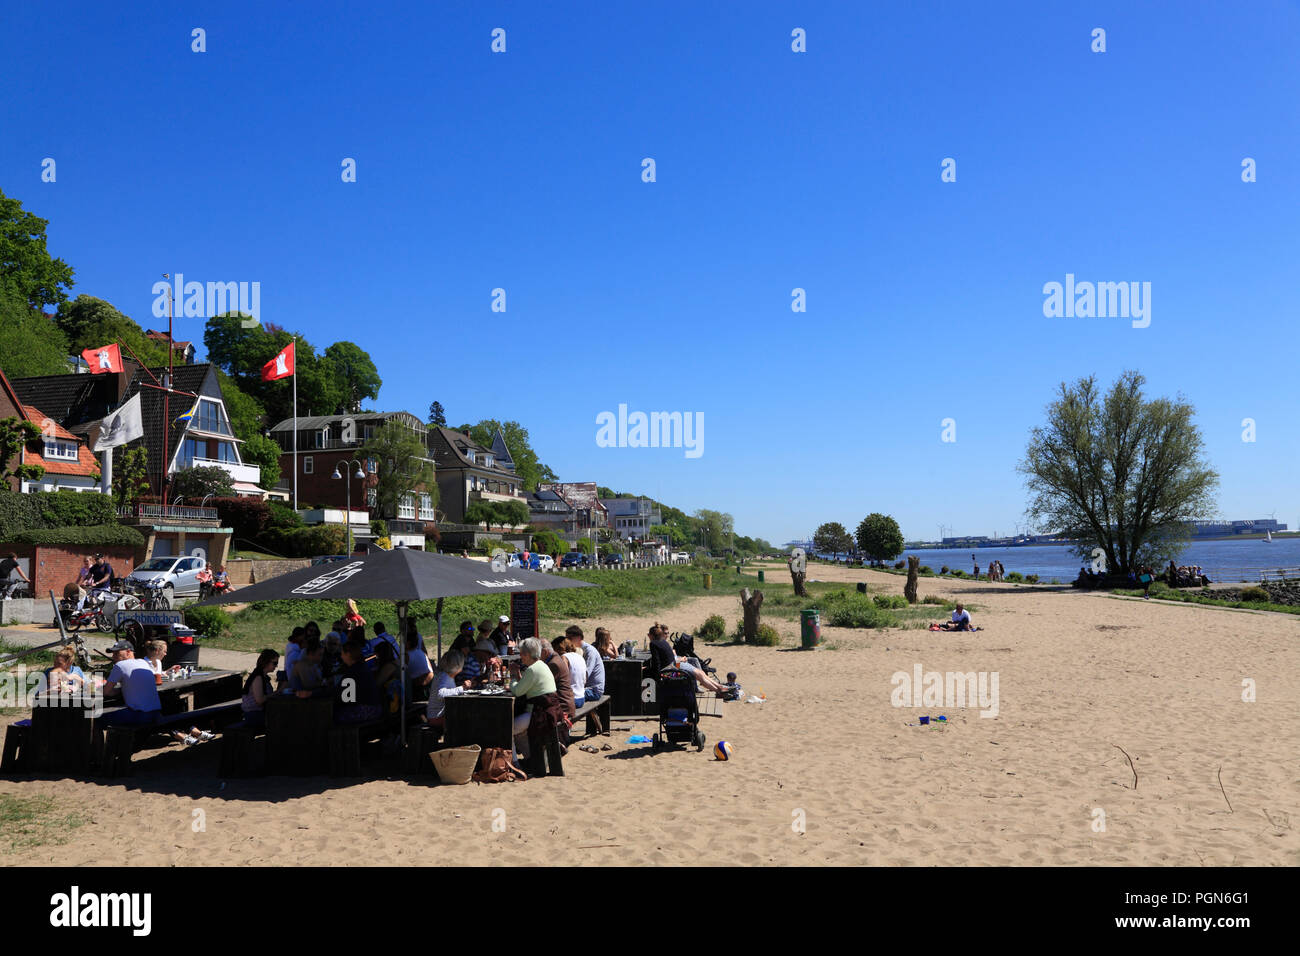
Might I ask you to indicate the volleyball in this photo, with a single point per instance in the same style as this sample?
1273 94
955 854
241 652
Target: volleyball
722 750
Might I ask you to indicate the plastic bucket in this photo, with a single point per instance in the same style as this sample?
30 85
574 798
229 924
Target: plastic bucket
810 627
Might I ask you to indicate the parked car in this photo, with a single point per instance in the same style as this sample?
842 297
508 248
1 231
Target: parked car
613 559
575 559
544 562
179 576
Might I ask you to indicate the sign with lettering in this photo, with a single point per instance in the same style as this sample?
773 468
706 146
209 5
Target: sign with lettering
523 614
150 618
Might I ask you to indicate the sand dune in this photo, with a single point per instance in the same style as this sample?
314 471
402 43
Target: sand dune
827 770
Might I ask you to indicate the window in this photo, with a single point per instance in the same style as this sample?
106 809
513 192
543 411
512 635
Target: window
59 448
487 461
371 465
323 438
426 507
372 498
406 507
307 465
211 417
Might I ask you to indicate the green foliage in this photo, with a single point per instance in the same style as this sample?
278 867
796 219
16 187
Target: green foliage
585 545
27 271
1015 577
934 599
832 537
60 509
194 483
887 602
548 542
306 542
90 323
437 416
356 371
246 517
766 636
30 342
850 609
1119 472
528 467
15 433
401 467
18 513
944 569
714 628
1031 579
957 573
282 517
924 569
1255 594
94 536
879 537
716 529
265 454
208 621
130 474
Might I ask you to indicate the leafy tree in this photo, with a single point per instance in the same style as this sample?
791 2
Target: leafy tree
356 370
832 537
27 271
879 537
265 454
603 492
30 342
401 467
1119 472
242 352
193 484
15 433
585 545
548 542
716 528
130 474
89 323
511 512
437 416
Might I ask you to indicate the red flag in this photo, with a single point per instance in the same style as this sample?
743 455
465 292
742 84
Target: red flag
280 366
107 359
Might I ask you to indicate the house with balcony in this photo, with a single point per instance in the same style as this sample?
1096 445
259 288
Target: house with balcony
468 472
632 519
588 515
548 509
331 450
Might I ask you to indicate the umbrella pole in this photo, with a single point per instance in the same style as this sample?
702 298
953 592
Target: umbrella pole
438 616
401 653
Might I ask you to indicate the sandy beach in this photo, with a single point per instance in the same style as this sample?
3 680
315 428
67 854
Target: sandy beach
826 770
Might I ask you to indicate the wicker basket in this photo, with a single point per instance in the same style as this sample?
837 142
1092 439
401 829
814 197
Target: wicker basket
456 764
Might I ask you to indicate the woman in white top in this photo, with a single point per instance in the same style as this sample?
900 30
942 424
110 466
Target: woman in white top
577 668
443 686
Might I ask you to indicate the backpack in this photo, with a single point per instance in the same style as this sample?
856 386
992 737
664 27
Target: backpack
494 766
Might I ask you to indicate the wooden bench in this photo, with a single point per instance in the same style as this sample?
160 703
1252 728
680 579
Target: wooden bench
597 713
122 740
15 740
421 740
243 750
345 746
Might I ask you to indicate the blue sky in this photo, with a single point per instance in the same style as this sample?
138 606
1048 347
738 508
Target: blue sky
775 170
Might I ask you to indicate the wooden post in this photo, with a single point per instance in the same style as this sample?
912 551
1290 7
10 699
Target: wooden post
913 568
750 603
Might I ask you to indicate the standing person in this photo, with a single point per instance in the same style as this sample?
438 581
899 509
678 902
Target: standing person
1145 578
7 567
594 664
977 567
134 680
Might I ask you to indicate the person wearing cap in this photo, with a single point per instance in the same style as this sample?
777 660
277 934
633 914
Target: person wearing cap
501 636
134 680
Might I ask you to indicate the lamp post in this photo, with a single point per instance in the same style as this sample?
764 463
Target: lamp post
347 507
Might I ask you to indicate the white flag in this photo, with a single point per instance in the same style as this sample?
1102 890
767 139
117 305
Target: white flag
122 426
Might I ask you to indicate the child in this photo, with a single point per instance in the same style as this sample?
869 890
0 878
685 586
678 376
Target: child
443 686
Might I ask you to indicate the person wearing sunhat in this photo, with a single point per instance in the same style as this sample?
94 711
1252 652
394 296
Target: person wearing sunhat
502 637
134 681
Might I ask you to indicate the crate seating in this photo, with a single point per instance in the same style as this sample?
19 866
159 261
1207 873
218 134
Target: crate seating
121 741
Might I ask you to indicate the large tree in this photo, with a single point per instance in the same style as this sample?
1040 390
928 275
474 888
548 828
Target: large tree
879 537
832 537
401 467
716 529
437 416
357 373
27 270
89 322
30 341
1118 472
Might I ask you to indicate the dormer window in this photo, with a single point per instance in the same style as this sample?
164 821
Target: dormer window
60 449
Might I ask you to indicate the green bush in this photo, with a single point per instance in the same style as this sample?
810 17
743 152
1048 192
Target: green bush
95 536
306 542
1255 594
767 636
208 621
282 516
1031 579
846 609
61 509
246 517
899 565
1016 577
924 569
958 573
935 599
713 629
944 569
889 601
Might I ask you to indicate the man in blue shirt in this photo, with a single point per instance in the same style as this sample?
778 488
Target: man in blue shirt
134 680
595 685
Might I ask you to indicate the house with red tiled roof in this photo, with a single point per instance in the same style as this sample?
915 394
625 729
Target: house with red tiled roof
66 458
184 350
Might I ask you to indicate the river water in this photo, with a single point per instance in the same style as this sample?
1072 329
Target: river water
1221 560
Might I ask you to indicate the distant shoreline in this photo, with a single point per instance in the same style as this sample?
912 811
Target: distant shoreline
1280 536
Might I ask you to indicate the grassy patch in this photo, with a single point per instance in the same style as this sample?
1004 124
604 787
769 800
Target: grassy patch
35 661
31 821
1165 593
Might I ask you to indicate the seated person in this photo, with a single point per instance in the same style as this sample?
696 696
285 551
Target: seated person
559 668
605 644
444 685
535 684
155 651
662 656
388 675
257 688
64 676
593 665
464 645
381 634
332 659
204 577
293 650
565 647
221 581
418 670
134 680
960 620
359 697
307 675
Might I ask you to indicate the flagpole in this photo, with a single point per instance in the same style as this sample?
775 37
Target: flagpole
295 424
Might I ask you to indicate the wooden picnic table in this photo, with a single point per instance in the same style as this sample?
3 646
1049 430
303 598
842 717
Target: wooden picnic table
297 733
483 719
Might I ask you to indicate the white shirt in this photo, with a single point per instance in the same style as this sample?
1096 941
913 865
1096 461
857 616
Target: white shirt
443 686
577 676
959 616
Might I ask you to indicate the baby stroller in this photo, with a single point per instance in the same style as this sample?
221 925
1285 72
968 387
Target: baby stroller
684 645
679 715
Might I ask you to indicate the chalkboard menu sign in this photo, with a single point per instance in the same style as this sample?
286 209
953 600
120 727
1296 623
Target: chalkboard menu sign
523 614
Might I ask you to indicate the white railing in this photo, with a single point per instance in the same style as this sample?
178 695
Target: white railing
156 512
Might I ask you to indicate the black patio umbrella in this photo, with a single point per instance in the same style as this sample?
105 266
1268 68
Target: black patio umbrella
402 575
